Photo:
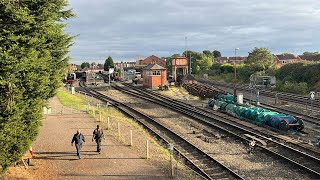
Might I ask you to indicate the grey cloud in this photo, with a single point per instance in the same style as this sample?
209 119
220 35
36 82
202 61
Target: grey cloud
124 29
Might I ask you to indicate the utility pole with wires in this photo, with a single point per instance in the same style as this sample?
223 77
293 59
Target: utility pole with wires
186 43
186 55
190 63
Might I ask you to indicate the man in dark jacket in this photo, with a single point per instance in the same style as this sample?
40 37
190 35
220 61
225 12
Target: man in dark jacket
78 139
98 135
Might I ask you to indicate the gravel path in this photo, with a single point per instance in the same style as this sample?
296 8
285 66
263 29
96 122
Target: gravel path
55 158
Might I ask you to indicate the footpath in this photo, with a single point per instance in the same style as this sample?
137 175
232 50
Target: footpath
55 158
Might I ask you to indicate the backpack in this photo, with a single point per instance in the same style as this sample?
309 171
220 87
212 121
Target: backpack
97 133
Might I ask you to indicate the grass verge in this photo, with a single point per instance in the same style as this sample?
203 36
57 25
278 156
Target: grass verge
71 100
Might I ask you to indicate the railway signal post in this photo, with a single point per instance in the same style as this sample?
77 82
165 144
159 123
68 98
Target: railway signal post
258 98
312 98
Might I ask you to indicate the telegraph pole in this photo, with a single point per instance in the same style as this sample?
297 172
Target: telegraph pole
109 77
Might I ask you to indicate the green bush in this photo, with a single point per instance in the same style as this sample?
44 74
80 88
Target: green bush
226 68
304 72
292 87
244 72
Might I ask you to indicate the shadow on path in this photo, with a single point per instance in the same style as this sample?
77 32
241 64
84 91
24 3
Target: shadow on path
112 158
61 155
130 176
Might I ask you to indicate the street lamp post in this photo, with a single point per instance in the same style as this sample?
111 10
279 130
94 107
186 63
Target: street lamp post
235 75
234 63
190 63
109 77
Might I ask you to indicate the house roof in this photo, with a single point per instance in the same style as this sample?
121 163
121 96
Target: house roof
286 56
221 58
180 57
153 57
238 58
153 67
310 57
125 62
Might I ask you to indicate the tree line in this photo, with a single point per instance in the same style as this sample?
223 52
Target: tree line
293 78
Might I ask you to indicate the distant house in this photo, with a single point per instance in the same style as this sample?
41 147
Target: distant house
283 59
221 60
231 60
122 65
154 76
153 60
310 57
96 70
237 60
72 67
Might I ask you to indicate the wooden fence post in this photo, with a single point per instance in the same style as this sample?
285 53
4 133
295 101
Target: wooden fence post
147 146
108 123
130 137
171 164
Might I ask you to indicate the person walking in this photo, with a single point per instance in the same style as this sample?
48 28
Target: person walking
78 139
98 135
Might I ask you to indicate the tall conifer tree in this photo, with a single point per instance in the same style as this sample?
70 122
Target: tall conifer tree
33 59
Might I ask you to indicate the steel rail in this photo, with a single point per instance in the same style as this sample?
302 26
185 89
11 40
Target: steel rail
214 168
231 129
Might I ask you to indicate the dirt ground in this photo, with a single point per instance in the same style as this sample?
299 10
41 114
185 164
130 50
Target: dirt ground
55 158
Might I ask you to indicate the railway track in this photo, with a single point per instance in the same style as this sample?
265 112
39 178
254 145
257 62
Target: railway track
301 157
280 96
269 93
202 163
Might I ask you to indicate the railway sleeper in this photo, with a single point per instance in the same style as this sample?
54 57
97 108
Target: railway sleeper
203 163
188 153
225 178
218 174
198 157
191 152
209 164
211 169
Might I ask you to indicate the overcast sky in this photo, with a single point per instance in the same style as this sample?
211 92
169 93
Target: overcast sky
124 29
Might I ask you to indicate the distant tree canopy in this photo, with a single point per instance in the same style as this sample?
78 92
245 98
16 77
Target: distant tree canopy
100 66
33 59
311 53
194 56
85 65
216 54
176 55
260 59
108 63
207 52
204 62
